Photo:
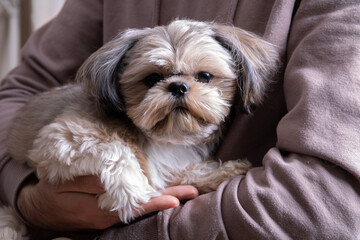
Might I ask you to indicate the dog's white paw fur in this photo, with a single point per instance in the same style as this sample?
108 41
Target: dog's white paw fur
10 226
126 187
71 146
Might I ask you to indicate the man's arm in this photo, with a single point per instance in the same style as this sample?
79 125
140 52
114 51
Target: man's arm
308 186
50 58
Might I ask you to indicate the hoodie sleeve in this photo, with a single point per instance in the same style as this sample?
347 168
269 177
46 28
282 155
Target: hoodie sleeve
50 58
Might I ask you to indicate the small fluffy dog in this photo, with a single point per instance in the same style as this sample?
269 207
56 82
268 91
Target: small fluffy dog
148 111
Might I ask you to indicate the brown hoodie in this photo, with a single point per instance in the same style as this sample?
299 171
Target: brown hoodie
304 140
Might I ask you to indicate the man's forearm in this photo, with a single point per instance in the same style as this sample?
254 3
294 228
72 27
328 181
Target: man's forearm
288 196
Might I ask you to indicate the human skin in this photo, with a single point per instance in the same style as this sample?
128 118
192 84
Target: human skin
73 205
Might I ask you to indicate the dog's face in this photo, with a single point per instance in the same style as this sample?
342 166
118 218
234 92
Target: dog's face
178 83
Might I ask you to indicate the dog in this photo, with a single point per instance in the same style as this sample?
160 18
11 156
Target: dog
148 111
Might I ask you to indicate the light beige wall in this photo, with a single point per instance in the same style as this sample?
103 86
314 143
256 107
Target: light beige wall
9 35
18 18
43 10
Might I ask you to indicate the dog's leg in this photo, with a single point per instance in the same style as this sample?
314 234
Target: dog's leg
206 176
74 146
126 186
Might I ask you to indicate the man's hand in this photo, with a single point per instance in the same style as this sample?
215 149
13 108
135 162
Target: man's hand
73 205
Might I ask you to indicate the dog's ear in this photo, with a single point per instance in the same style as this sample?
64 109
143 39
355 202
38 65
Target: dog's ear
256 62
100 72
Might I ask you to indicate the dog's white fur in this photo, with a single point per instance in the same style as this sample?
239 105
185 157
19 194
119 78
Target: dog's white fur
142 137
10 226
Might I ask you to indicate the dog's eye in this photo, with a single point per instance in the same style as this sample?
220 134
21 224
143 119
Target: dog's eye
152 79
204 77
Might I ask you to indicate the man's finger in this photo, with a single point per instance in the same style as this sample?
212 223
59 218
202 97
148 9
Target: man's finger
170 198
181 192
159 203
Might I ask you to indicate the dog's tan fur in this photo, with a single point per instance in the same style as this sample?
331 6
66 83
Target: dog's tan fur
139 138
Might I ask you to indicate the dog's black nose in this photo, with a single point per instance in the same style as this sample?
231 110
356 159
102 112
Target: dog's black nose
178 89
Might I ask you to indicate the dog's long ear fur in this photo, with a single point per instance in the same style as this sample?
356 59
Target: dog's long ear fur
100 71
256 62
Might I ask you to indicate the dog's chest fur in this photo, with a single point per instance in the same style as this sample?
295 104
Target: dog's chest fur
166 159
161 162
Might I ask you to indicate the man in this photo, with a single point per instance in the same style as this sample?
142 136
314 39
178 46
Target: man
304 140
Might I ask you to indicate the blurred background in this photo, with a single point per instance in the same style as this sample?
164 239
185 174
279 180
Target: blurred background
18 19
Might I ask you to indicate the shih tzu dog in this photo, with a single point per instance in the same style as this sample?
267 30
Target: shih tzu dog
148 110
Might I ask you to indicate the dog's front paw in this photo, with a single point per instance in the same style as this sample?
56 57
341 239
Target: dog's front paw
223 172
234 167
206 176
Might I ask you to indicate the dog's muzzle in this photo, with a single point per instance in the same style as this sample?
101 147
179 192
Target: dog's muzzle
178 89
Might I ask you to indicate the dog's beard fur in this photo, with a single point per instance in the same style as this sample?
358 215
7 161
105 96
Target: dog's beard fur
188 121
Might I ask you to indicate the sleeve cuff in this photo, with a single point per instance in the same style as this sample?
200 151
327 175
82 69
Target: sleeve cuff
12 176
